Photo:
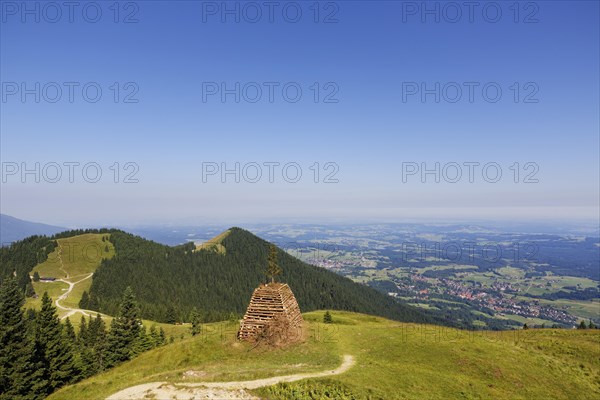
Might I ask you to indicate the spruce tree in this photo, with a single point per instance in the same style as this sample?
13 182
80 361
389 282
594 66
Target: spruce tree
144 342
29 291
16 364
155 336
36 276
196 323
56 350
171 315
124 331
93 303
85 301
163 336
87 362
99 328
327 318
93 330
273 268
83 335
70 331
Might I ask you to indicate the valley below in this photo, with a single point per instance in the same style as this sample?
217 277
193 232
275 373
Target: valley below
439 326
486 277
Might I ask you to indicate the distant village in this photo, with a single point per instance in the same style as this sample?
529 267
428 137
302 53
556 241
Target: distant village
498 298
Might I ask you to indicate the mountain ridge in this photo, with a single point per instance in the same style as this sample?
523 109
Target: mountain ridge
170 281
13 229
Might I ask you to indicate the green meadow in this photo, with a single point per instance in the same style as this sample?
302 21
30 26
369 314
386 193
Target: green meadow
393 361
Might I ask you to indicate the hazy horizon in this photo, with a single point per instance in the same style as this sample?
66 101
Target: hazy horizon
402 115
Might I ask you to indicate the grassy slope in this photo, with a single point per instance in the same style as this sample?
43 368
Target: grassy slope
80 256
216 354
215 244
394 361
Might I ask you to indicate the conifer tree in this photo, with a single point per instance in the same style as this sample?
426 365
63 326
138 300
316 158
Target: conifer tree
93 302
83 336
155 336
124 331
171 314
99 344
163 337
273 268
29 291
144 342
92 332
196 323
85 301
70 331
87 362
56 351
16 364
327 318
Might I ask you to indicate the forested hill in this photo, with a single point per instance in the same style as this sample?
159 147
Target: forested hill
22 256
170 281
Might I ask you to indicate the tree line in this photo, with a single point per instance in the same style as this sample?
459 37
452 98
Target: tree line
170 281
39 353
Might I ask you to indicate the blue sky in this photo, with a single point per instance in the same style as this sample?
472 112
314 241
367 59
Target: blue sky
177 49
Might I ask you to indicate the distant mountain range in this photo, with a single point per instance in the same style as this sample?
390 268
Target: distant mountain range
12 229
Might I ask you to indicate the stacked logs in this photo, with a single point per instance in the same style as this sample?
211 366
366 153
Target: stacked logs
273 314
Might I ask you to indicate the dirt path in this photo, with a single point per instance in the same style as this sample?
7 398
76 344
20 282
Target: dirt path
217 390
70 311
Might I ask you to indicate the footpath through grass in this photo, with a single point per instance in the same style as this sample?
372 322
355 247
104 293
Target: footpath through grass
73 260
393 361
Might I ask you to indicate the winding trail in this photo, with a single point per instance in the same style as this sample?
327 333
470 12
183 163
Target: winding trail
218 390
70 311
